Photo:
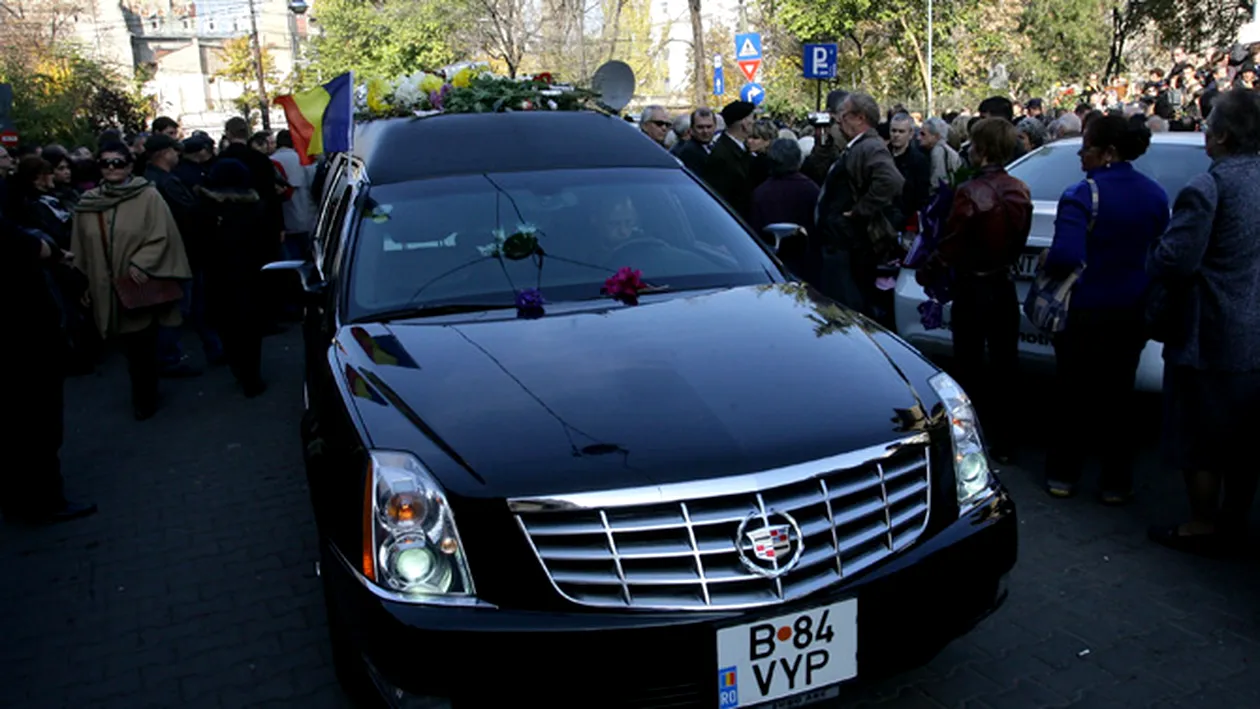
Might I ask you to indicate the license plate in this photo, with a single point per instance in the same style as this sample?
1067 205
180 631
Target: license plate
793 655
1027 267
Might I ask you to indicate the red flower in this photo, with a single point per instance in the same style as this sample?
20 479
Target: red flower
625 285
544 78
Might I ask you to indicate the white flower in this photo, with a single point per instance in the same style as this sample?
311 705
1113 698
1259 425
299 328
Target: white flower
407 92
495 248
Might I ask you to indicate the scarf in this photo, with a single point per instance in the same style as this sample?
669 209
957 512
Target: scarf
108 196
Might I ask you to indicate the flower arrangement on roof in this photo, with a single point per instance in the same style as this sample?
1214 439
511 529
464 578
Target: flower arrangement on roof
470 88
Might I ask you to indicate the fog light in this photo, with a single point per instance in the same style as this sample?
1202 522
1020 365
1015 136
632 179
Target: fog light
414 564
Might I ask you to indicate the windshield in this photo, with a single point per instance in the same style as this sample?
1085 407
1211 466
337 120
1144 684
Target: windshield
433 242
1055 167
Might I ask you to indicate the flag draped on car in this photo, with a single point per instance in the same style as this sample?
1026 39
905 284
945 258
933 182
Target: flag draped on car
321 119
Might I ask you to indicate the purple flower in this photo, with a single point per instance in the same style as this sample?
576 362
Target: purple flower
435 100
529 304
931 314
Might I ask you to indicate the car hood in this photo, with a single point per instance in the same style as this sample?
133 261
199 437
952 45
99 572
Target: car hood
681 387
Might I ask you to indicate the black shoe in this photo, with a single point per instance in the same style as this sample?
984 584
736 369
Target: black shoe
1060 488
144 412
1115 498
254 388
1213 545
67 512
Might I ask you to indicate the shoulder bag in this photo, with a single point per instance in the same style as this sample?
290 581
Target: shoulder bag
1047 302
132 295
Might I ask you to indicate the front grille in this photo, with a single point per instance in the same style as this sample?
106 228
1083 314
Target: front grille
676 546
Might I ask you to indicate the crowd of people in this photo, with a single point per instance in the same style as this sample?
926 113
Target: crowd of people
155 231
861 183
150 234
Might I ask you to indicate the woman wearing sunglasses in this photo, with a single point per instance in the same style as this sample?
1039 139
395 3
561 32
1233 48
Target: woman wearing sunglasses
126 242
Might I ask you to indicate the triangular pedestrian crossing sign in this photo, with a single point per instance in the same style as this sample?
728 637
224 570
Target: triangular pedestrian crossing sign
747 50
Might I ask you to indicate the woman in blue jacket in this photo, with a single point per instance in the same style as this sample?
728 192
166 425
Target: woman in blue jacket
1107 224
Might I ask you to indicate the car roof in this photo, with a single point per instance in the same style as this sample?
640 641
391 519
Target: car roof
1169 138
407 149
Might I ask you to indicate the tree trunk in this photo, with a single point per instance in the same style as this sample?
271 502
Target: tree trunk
699 59
616 31
1119 32
918 55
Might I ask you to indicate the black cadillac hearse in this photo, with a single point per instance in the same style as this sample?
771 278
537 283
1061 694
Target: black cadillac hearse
573 434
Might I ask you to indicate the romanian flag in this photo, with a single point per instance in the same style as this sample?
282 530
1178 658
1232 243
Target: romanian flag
321 120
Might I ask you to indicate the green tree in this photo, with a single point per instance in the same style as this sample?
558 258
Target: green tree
383 38
64 97
237 56
1194 25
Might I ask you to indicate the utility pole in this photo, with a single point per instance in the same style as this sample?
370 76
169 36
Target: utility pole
256 45
930 112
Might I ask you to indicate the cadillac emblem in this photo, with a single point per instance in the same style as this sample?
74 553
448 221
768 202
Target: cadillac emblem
769 543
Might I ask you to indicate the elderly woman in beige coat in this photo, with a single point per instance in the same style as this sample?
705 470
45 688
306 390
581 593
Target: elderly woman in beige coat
124 229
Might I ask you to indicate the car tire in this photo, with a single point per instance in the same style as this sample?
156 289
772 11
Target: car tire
348 662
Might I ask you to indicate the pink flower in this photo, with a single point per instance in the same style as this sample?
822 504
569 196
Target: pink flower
625 285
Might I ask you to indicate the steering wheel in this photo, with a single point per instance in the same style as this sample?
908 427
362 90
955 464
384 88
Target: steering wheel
641 243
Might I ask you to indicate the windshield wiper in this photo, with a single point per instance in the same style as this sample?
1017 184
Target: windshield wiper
429 311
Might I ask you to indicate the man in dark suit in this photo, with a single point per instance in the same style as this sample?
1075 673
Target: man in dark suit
729 168
694 153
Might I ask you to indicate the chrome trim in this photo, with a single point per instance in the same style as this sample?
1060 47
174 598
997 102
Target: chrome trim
612 546
850 512
695 550
715 487
464 601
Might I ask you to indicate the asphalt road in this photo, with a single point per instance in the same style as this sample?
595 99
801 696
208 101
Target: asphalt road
195 584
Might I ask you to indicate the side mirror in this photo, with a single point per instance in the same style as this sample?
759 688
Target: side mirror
312 287
779 232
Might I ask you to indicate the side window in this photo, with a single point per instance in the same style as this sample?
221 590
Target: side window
329 226
336 227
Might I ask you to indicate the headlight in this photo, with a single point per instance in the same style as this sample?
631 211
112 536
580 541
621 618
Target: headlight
410 544
971 464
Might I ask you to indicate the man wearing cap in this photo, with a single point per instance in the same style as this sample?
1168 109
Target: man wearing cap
194 164
161 158
729 167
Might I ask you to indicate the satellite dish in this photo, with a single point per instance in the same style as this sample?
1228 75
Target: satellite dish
614 82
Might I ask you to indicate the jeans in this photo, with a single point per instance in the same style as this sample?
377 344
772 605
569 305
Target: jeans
985 319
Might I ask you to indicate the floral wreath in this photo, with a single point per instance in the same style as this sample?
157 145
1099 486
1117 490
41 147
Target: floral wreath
624 286
466 89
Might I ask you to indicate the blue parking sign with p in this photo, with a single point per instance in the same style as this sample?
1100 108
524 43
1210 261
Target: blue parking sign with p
820 61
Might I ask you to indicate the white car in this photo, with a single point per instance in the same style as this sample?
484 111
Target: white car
1172 160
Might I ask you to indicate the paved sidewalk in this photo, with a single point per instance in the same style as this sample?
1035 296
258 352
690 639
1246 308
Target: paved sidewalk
195 586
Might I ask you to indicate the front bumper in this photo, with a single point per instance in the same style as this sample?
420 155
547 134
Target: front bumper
908 609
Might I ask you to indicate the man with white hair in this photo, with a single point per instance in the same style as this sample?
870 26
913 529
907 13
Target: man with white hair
682 128
1156 124
1066 126
655 124
944 160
